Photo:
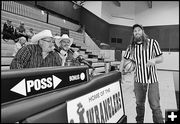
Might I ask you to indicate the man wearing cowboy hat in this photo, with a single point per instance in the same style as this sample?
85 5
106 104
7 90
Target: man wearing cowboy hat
62 45
38 54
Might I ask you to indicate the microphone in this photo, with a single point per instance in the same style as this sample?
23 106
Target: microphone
62 52
85 62
79 57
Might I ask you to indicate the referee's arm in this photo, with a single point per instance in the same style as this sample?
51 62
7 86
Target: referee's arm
158 55
124 58
156 60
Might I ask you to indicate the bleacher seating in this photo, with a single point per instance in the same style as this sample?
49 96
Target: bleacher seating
29 23
7 50
89 52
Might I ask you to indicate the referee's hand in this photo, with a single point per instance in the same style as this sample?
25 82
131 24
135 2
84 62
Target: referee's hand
123 72
150 62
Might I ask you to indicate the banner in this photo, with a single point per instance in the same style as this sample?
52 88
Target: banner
100 106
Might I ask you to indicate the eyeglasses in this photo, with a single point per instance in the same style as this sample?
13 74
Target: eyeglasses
49 41
66 41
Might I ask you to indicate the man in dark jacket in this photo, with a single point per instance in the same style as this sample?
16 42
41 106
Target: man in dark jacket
8 31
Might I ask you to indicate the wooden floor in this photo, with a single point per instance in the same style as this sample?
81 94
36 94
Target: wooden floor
167 96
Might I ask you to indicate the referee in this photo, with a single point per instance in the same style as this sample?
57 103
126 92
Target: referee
146 53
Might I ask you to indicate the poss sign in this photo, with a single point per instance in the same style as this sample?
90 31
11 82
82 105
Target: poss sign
15 86
27 86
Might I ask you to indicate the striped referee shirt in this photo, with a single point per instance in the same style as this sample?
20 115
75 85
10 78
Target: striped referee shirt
140 56
30 56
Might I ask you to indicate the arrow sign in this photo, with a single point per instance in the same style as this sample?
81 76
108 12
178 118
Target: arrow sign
20 88
56 81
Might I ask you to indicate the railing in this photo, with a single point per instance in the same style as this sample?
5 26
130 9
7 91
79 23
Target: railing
89 42
23 10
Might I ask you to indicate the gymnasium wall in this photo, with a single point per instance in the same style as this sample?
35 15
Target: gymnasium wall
95 26
171 61
166 35
161 13
64 8
121 32
160 22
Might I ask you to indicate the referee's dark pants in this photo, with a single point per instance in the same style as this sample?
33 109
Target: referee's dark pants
140 90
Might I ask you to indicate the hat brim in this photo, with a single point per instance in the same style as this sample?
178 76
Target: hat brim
137 25
60 39
35 40
41 35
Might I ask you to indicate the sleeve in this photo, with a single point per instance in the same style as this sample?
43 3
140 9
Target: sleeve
157 48
127 53
4 27
58 59
21 58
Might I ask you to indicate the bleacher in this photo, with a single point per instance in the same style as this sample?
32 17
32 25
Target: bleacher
7 50
29 23
39 25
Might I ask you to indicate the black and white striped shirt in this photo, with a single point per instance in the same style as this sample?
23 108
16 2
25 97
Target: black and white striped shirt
140 56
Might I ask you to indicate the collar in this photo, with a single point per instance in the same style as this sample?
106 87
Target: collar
138 43
63 54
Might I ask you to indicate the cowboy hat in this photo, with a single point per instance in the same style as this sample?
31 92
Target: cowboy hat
64 36
41 35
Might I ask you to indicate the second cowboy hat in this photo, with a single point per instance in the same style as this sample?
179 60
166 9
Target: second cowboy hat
41 35
64 36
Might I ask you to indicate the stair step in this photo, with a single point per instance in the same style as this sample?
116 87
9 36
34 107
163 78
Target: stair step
88 52
82 49
74 45
92 56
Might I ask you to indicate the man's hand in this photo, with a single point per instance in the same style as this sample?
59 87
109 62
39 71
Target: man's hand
123 72
155 60
151 62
